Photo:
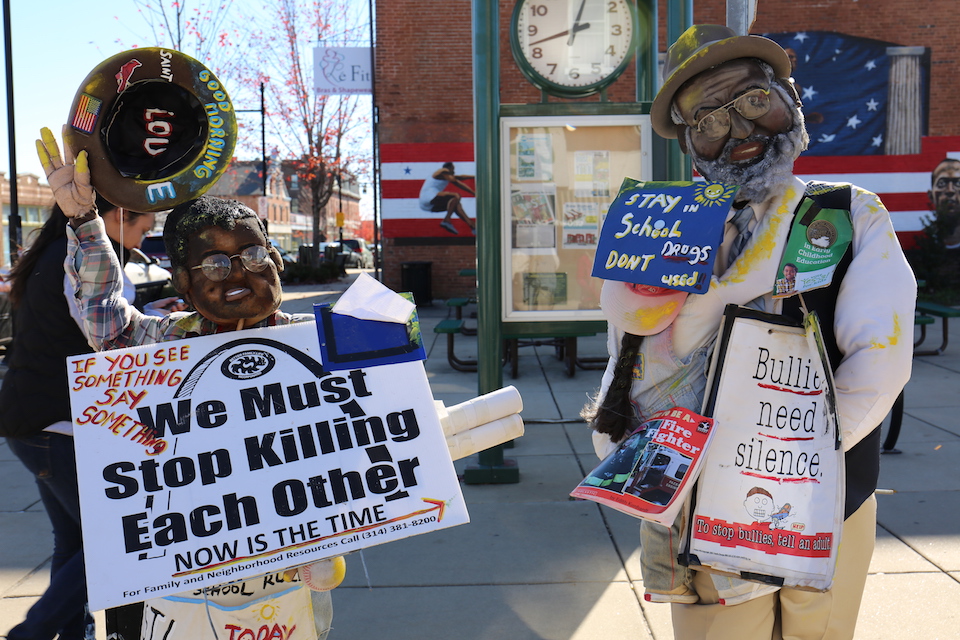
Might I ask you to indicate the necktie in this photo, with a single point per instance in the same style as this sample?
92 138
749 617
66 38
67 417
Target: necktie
742 222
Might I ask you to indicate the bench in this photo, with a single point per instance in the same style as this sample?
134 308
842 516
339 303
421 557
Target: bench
451 327
930 310
565 346
922 321
457 304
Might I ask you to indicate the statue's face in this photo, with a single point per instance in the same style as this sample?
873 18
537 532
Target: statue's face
945 190
706 92
243 294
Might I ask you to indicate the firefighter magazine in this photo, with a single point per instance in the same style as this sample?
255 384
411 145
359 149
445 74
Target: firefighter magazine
650 474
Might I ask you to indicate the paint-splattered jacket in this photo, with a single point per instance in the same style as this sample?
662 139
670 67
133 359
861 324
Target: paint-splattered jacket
872 319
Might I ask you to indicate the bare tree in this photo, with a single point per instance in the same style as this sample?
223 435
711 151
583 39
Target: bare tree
319 133
204 29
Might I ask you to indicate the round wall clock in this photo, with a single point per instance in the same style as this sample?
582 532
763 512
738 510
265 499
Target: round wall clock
573 48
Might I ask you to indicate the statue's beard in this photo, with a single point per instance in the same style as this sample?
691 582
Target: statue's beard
760 177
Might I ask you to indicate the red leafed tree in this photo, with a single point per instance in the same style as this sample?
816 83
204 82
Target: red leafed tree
204 29
319 133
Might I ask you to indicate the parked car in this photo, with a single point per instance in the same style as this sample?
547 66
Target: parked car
360 248
152 281
153 247
287 256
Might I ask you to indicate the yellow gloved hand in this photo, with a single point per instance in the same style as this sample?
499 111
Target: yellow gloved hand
324 575
70 182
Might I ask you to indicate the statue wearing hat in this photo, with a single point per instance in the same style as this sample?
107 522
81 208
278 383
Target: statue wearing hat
730 104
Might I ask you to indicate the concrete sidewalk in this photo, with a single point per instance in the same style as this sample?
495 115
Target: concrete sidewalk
535 564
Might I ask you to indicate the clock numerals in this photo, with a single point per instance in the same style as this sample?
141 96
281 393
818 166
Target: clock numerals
572 47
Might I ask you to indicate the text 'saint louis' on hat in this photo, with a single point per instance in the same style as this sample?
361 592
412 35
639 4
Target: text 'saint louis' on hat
157 125
702 47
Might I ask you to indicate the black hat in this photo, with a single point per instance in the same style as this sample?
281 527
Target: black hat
157 125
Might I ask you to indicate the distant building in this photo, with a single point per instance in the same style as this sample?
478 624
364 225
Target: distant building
347 200
243 181
34 201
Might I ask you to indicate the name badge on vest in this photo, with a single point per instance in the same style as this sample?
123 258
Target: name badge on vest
818 239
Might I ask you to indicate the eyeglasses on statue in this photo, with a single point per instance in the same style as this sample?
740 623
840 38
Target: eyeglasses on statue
217 267
751 105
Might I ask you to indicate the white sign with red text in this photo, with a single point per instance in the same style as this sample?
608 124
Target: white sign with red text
218 458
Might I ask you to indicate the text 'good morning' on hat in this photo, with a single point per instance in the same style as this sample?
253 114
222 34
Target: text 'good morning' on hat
157 125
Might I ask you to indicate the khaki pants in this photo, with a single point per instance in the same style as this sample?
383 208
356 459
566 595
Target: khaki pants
789 614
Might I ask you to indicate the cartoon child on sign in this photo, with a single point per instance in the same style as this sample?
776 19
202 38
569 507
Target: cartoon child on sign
760 507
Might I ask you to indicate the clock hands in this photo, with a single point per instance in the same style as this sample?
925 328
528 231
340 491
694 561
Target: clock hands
576 24
576 28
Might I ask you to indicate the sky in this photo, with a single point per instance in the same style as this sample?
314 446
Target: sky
56 43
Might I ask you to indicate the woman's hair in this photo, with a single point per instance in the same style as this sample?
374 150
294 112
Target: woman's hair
53 229
614 414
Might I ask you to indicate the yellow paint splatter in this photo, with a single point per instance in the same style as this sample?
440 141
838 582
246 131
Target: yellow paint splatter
894 338
765 244
649 318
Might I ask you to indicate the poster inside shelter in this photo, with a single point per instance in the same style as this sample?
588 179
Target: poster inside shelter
663 234
217 458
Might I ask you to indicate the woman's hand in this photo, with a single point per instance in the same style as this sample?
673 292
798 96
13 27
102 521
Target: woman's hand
70 182
164 306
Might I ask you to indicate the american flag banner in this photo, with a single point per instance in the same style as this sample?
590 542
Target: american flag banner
843 83
901 181
403 170
85 118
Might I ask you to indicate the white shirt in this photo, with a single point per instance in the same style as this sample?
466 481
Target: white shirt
873 326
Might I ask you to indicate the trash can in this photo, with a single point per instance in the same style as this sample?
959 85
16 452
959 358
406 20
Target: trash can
415 277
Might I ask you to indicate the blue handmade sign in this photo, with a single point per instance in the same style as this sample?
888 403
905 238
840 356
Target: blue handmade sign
663 234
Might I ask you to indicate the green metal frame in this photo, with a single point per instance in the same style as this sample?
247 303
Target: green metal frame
667 159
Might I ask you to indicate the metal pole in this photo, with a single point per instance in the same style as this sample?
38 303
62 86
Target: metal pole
378 258
16 237
646 61
492 467
263 137
679 18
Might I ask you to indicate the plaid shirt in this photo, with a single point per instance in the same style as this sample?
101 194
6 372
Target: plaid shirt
109 321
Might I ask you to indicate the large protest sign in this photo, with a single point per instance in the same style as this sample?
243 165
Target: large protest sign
218 458
663 234
769 502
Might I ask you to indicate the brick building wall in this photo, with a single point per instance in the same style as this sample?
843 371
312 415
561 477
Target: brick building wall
425 95
932 23
424 82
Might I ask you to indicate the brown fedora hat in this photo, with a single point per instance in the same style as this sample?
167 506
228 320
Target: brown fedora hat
702 47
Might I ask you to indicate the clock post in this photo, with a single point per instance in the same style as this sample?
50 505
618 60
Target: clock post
547 171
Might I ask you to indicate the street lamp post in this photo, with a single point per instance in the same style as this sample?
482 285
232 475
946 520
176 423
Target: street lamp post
14 220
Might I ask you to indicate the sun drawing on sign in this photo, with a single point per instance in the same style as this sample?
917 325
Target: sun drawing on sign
712 193
267 613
